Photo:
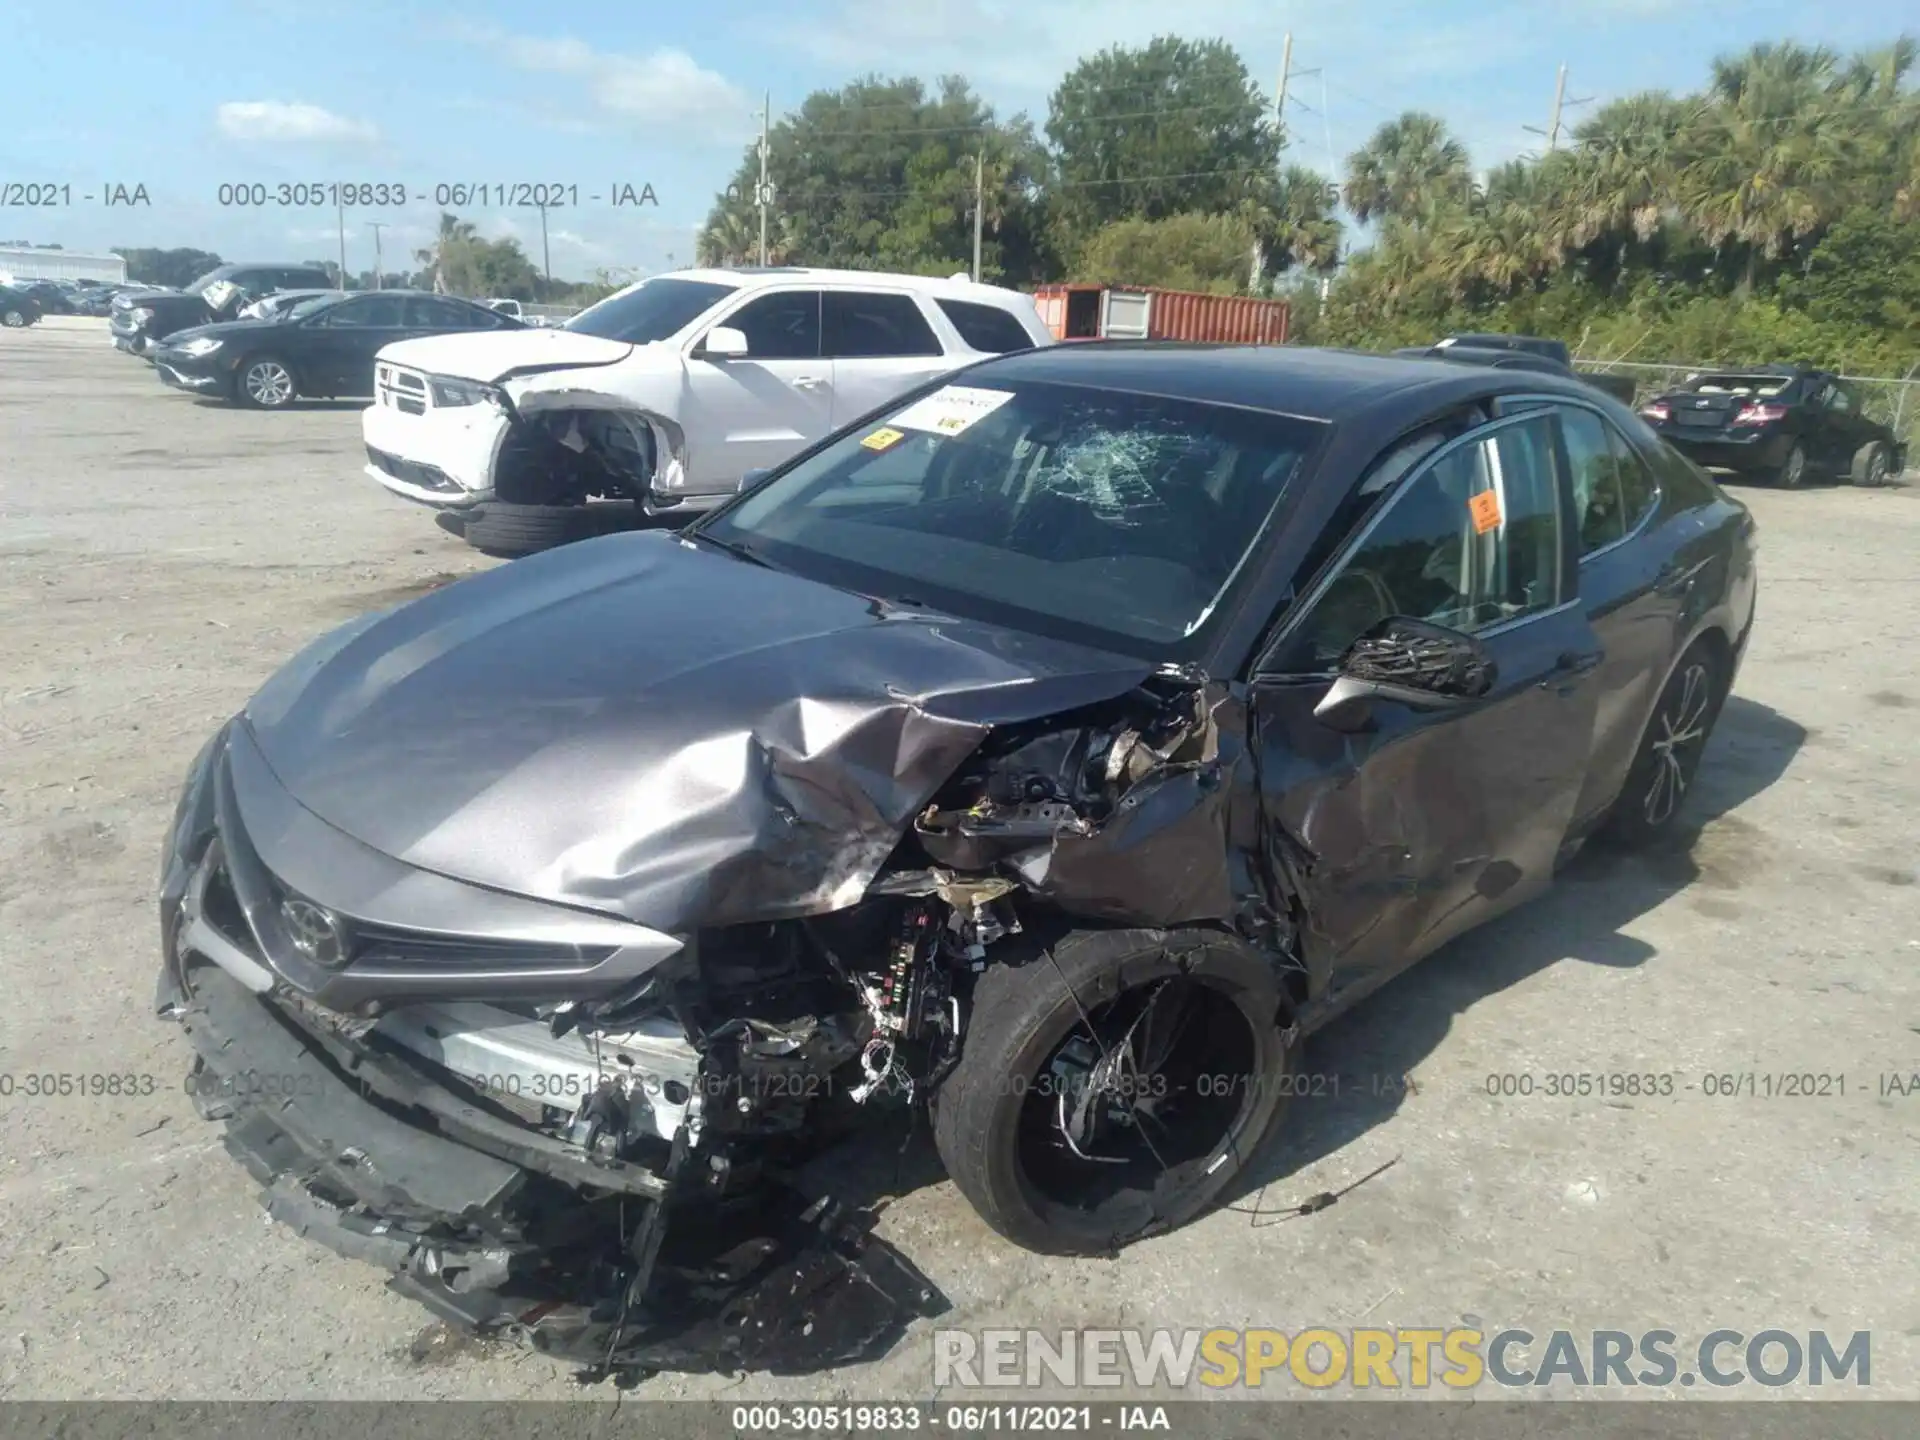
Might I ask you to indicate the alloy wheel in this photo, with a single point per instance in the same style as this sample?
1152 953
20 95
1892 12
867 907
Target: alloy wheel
1151 1081
1679 735
13 320
1877 469
268 384
1795 470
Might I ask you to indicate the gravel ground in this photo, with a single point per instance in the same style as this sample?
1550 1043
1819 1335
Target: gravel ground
160 556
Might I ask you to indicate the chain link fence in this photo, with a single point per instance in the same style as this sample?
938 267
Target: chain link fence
1894 402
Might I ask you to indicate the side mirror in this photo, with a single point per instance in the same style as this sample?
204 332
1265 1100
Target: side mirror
753 478
1410 663
723 342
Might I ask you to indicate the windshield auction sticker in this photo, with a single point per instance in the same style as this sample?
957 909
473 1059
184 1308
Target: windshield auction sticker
952 409
884 438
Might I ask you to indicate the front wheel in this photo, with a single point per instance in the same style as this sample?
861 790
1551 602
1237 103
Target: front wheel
14 319
1871 465
1113 1086
265 383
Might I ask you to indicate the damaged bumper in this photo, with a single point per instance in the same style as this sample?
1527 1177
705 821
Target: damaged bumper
438 456
515 1176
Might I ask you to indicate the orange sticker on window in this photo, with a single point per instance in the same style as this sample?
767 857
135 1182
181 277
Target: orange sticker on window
884 439
1485 509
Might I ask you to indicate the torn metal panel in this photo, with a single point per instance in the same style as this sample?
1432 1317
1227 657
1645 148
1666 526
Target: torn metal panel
641 727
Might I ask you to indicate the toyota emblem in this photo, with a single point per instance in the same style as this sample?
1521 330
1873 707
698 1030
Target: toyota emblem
316 933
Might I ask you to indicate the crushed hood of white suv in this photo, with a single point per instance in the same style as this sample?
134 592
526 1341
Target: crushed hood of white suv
491 358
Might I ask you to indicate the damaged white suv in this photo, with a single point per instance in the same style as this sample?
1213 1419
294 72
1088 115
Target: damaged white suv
667 394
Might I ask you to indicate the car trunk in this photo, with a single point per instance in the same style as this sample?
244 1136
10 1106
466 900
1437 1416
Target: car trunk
1706 414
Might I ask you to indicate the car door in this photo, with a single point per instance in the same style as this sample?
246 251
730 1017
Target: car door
1426 822
750 412
1846 426
339 343
881 346
1633 588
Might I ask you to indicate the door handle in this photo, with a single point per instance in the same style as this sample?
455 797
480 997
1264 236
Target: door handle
1675 578
808 382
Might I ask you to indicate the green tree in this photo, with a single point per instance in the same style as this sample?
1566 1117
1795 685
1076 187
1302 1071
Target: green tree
1174 127
880 175
1181 252
1409 169
1306 220
453 233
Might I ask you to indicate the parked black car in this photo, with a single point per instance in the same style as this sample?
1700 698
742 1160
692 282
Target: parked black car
1777 422
322 346
1059 743
141 319
18 307
53 299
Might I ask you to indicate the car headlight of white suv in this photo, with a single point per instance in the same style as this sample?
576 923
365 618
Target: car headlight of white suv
450 392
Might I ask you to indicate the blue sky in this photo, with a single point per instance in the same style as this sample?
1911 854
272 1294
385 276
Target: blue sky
186 95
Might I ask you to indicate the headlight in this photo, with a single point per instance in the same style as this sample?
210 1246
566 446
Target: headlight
451 393
201 345
141 314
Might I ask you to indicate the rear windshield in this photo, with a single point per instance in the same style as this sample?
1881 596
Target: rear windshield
1742 385
652 310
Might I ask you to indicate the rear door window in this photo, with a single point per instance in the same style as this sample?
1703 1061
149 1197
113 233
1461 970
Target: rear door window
866 325
986 327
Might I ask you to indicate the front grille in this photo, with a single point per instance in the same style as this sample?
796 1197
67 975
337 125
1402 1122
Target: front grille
427 477
400 389
388 948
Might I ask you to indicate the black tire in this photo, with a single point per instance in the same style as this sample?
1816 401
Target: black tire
994 1116
499 529
1656 786
15 318
1871 465
1792 473
265 382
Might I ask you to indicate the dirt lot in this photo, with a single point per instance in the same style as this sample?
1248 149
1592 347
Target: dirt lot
160 556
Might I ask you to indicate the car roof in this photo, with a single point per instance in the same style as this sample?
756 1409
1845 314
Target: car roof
1320 384
754 276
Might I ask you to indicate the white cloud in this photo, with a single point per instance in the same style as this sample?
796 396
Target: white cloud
280 120
665 86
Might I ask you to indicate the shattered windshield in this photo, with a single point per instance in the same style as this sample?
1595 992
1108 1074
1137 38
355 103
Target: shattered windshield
652 310
1117 519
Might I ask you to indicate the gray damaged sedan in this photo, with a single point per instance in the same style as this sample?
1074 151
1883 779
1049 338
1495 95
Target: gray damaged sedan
1048 753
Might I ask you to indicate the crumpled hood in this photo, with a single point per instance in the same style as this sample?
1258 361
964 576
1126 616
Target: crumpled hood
643 727
493 355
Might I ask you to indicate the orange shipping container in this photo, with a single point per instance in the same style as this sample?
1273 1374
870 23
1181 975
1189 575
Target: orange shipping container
1085 312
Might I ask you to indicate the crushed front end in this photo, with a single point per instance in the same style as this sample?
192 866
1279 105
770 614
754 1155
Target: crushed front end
604 1178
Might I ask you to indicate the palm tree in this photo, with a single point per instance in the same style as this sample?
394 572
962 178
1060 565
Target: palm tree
454 233
1305 226
1621 170
731 237
1409 169
1765 160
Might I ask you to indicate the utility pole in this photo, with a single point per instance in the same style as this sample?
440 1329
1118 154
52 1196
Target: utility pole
979 206
1560 105
376 227
546 256
761 196
340 217
1286 73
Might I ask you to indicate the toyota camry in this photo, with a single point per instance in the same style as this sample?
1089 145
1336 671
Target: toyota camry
1049 752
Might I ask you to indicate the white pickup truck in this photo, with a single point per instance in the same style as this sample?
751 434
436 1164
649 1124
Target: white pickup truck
666 393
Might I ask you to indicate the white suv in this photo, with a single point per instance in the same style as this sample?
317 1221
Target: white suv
668 393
